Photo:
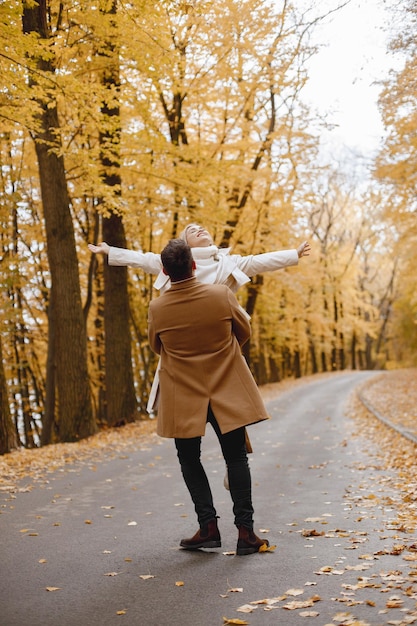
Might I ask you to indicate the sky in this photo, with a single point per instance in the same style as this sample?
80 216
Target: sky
343 74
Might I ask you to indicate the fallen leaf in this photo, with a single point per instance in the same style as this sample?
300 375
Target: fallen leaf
234 621
265 548
298 604
269 601
111 574
309 614
88 521
312 533
132 524
122 612
42 561
343 618
53 588
301 604
246 608
294 592
146 576
179 583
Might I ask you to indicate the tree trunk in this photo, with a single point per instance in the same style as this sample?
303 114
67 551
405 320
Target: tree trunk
8 437
119 392
75 416
121 403
253 290
353 351
297 364
323 361
313 356
48 430
274 376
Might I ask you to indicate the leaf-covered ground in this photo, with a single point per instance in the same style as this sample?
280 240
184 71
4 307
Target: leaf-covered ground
388 494
394 396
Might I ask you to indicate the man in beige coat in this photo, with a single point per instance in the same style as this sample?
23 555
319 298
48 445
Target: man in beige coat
197 330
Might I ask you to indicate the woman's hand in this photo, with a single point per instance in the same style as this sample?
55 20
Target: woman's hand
101 248
304 249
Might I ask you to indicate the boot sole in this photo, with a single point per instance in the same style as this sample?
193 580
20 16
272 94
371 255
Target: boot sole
245 551
203 544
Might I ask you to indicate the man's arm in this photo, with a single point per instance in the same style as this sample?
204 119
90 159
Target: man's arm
240 319
153 337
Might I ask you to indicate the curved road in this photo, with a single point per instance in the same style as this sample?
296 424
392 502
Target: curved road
105 537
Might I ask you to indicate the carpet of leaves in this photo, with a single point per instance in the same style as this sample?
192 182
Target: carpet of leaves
394 395
36 463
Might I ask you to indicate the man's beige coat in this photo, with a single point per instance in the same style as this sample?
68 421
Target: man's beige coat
198 330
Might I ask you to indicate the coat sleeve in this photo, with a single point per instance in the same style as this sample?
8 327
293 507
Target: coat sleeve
268 262
153 337
240 319
149 262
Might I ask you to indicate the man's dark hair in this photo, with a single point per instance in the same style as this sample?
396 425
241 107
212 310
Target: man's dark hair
177 260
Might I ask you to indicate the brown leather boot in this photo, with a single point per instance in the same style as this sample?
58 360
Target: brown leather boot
248 542
207 536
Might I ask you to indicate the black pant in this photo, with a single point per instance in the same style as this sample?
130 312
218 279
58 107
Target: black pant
233 445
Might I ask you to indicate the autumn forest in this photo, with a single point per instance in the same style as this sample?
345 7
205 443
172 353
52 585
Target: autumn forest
124 121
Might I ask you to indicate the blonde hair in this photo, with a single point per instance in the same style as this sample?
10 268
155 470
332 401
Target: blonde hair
183 234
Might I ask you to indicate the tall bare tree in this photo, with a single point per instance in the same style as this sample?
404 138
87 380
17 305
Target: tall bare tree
67 371
120 404
8 435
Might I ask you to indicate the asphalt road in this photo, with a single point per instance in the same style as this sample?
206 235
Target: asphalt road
104 537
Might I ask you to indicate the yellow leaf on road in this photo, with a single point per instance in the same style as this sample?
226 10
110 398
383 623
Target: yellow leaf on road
246 608
265 548
294 592
234 621
309 614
